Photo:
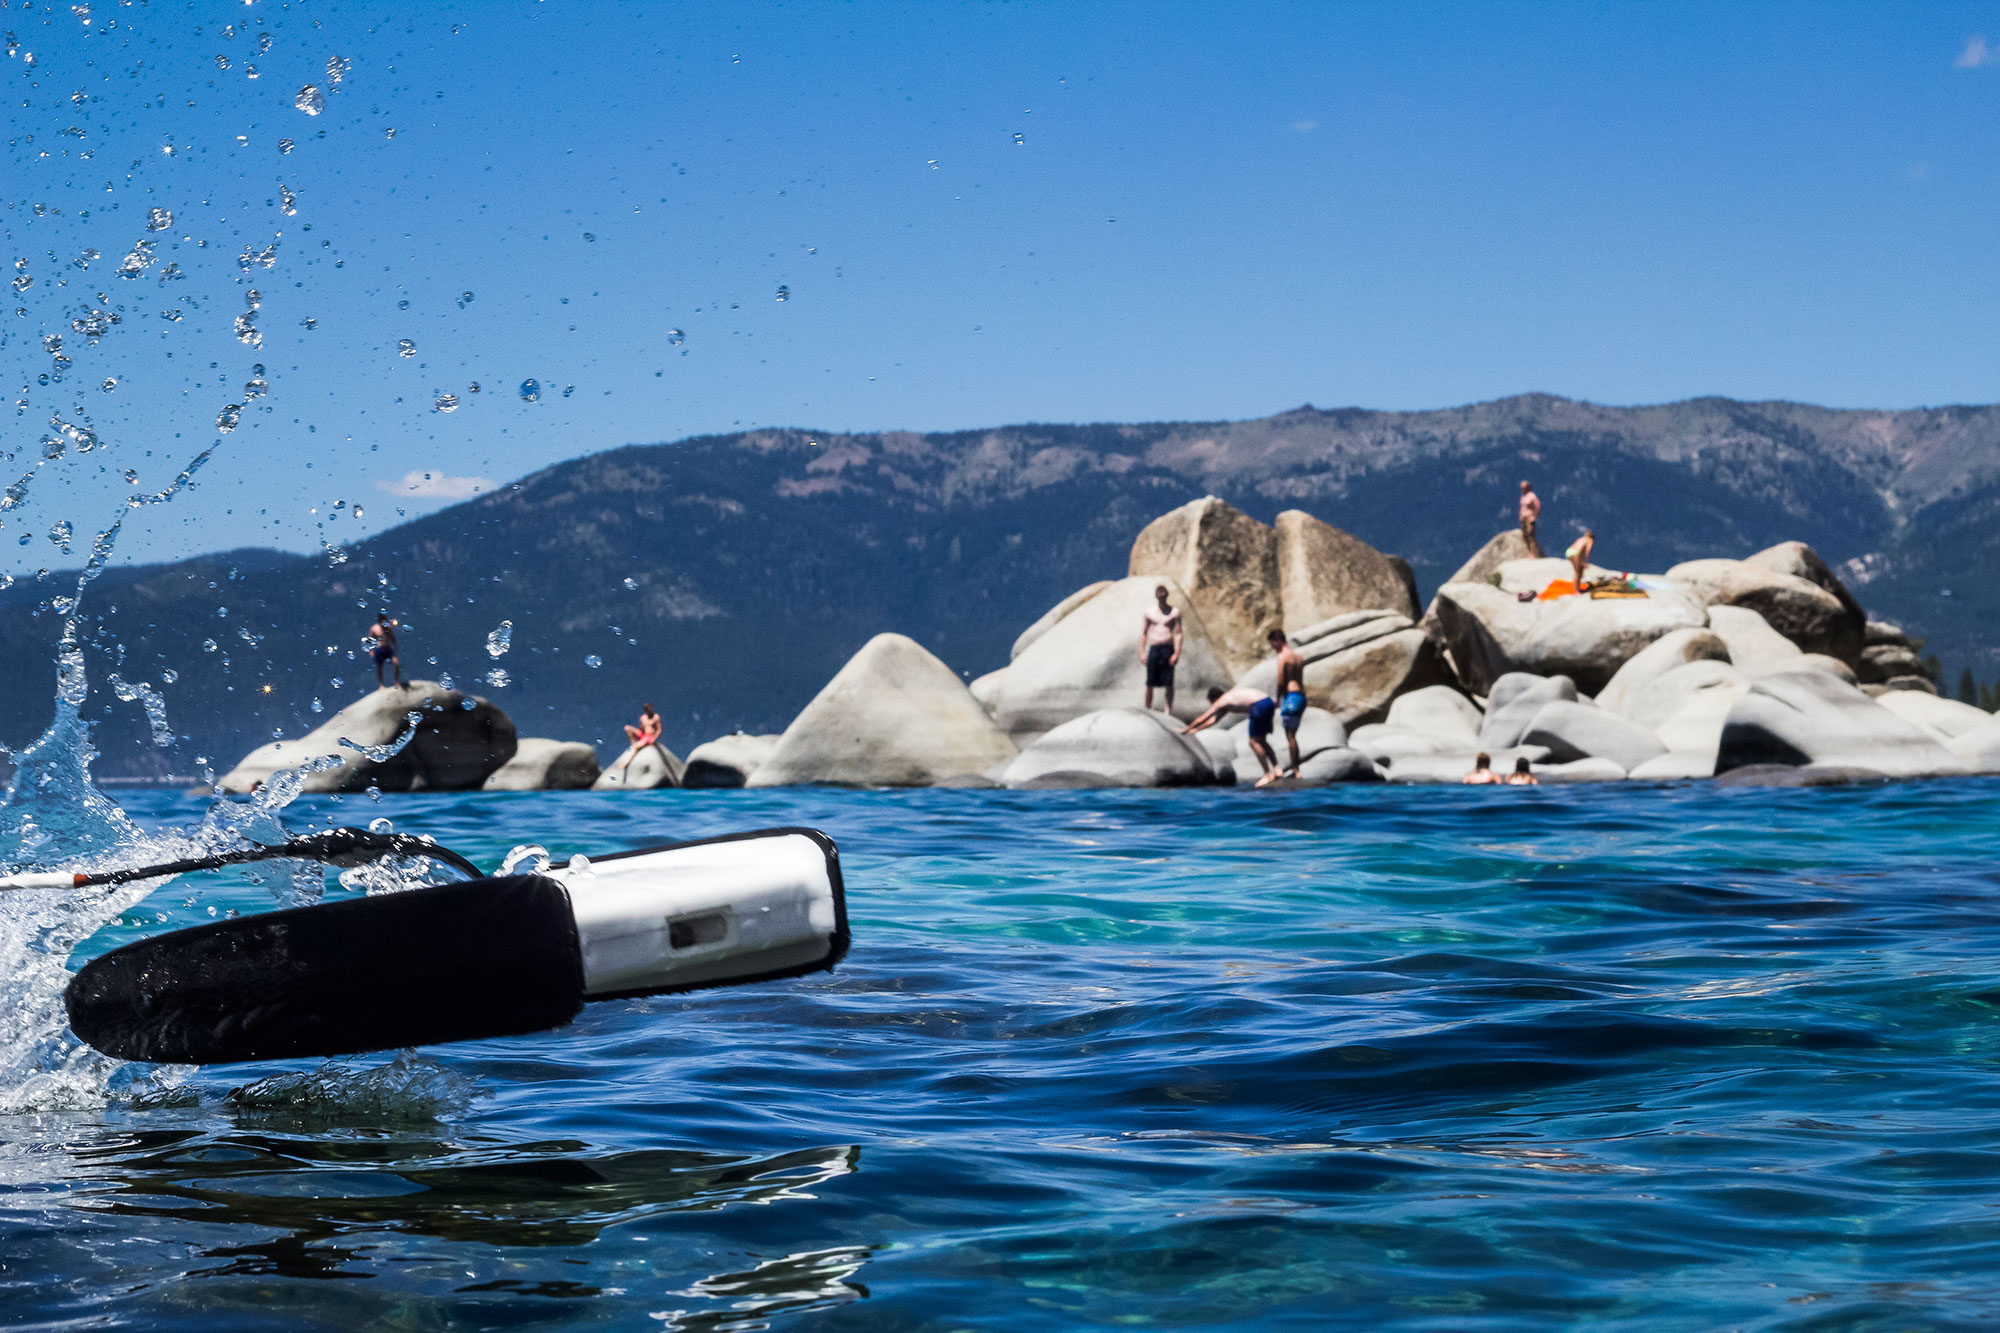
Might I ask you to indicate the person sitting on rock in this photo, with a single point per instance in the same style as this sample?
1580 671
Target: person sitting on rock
1482 774
1531 514
1578 556
1291 692
382 647
648 730
1523 774
1160 646
1263 710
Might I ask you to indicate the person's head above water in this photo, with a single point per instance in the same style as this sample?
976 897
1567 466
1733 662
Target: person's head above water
1481 760
1521 764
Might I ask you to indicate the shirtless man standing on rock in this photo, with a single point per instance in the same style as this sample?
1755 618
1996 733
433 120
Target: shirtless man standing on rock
382 648
1291 692
1531 515
1160 646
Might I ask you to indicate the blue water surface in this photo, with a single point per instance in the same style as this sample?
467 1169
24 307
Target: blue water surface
1630 1057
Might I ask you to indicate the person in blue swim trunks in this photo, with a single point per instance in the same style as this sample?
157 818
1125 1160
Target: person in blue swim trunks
1291 692
1263 711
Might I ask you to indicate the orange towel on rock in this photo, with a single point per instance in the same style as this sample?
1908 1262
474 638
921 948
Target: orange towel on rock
1559 588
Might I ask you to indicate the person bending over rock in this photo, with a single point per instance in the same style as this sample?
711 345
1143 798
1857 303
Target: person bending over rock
1531 514
1523 775
1291 692
1482 774
1578 556
1263 710
382 647
1160 646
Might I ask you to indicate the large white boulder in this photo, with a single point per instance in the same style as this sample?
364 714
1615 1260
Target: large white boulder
1325 572
1386 743
1753 645
458 740
540 764
1225 563
1515 699
1048 620
894 716
1670 650
1089 661
1948 718
641 768
1809 615
727 761
1809 717
1674 766
1978 748
1591 768
1490 632
1572 731
1125 747
1687 706
1338 764
1440 711
985 689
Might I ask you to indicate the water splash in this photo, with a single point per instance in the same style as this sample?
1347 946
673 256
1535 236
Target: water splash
500 639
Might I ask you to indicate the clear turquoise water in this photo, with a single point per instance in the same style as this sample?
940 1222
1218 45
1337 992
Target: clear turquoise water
1628 1058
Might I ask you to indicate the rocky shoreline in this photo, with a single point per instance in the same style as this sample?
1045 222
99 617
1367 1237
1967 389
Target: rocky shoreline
1763 669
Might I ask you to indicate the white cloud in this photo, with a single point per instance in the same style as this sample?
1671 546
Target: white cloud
1977 53
436 485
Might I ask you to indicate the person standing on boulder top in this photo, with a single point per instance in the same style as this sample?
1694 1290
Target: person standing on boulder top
1160 646
1531 514
382 647
1291 692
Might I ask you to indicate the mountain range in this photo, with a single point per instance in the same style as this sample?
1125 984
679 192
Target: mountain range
725 578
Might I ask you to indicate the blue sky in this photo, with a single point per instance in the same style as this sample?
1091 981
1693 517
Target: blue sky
1208 212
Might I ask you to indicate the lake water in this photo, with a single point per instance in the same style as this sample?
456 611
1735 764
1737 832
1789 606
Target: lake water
1659 1058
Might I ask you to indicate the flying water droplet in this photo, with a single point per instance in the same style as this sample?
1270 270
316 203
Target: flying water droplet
110 383
784 293
209 645
256 388
1020 141
500 640
225 420
310 100
288 203
60 534
158 219
631 585
464 300
531 391
284 145
497 678
446 402
675 337
337 67
317 706
404 347
593 661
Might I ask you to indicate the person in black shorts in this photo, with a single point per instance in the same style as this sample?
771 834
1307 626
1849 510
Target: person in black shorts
1160 646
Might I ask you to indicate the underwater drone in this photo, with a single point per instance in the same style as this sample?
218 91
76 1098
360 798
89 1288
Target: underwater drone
488 956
